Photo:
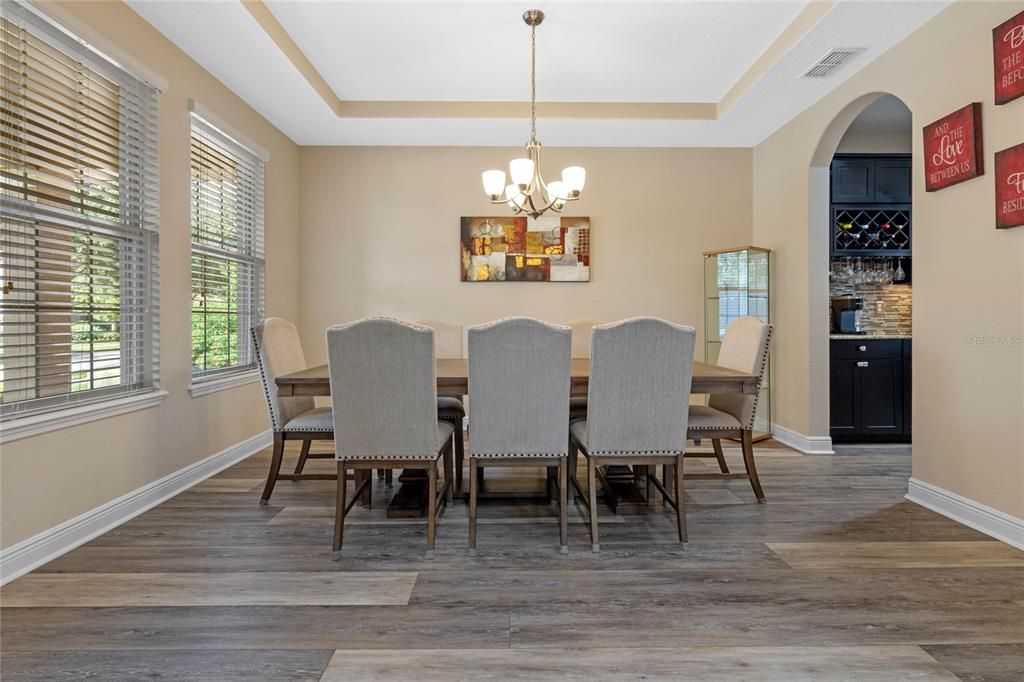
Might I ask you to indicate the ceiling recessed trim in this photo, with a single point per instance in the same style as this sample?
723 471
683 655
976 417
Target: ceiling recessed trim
804 22
693 111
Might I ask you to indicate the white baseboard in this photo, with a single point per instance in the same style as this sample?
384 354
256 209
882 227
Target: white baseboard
809 445
980 517
39 549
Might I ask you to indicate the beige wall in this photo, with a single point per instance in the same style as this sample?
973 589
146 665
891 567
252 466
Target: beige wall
968 276
53 477
380 234
867 142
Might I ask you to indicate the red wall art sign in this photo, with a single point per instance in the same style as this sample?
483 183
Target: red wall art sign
1008 50
1010 187
952 148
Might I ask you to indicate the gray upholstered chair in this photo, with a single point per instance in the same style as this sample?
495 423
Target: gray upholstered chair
581 330
744 348
448 344
384 395
640 375
519 385
279 351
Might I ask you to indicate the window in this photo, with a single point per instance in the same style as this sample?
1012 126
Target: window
78 221
227 251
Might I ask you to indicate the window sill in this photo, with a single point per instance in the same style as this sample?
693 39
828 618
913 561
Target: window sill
38 424
201 388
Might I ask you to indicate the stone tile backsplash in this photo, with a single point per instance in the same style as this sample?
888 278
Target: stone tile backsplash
895 314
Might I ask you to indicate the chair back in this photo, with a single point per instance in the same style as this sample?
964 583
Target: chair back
449 339
745 349
383 389
581 329
640 374
279 352
519 387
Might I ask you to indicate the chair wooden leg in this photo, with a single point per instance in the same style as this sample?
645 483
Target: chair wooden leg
275 467
669 475
595 543
449 481
563 503
680 502
748 460
572 466
339 512
474 485
388 478
431 508
716 443
303 454
368 492
460 454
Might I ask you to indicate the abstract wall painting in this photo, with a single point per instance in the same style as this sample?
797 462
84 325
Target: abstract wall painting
521 249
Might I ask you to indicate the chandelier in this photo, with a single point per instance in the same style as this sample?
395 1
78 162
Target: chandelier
527 192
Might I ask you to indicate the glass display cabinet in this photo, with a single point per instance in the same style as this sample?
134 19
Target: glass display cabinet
736 284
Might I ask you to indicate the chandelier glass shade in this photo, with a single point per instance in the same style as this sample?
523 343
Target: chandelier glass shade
527 192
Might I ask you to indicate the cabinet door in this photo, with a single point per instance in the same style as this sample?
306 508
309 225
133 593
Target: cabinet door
843 413
892 181
853 180
878 385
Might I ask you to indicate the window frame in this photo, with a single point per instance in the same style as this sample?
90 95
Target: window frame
136 231
256 161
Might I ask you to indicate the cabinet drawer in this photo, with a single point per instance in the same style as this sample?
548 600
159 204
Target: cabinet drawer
867 348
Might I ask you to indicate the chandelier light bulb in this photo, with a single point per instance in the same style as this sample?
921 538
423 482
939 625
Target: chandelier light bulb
521 172
557 191
514 197
574 178
494 183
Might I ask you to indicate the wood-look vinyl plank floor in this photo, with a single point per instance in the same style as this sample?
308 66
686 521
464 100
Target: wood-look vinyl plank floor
733 664
816 555
981 662
836 577
209 589
293 665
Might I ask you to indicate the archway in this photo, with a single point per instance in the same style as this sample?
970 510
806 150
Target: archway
819 214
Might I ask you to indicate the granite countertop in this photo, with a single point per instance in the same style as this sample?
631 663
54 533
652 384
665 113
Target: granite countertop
869 335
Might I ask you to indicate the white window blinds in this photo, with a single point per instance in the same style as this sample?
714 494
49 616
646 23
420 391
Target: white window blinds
78 230
227 251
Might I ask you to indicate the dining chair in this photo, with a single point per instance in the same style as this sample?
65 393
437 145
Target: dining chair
519 386
581 330
448 344
279 351
640 375
744 348
384 395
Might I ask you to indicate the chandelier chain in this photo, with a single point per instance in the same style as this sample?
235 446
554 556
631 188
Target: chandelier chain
533 83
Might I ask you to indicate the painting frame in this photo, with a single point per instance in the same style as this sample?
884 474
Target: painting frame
551 248
954 148
1008 59
1009 172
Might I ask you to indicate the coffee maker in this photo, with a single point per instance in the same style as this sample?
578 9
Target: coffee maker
846 314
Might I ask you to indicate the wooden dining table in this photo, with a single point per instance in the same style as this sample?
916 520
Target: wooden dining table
453 380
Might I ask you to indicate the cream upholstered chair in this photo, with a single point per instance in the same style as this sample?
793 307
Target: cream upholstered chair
640 375
448 344
745 349
519 385
581 330
384 395
279 351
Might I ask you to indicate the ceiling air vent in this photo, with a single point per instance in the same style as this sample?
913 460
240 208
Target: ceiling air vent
831 62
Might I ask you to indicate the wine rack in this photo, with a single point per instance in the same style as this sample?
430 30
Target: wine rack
863 231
